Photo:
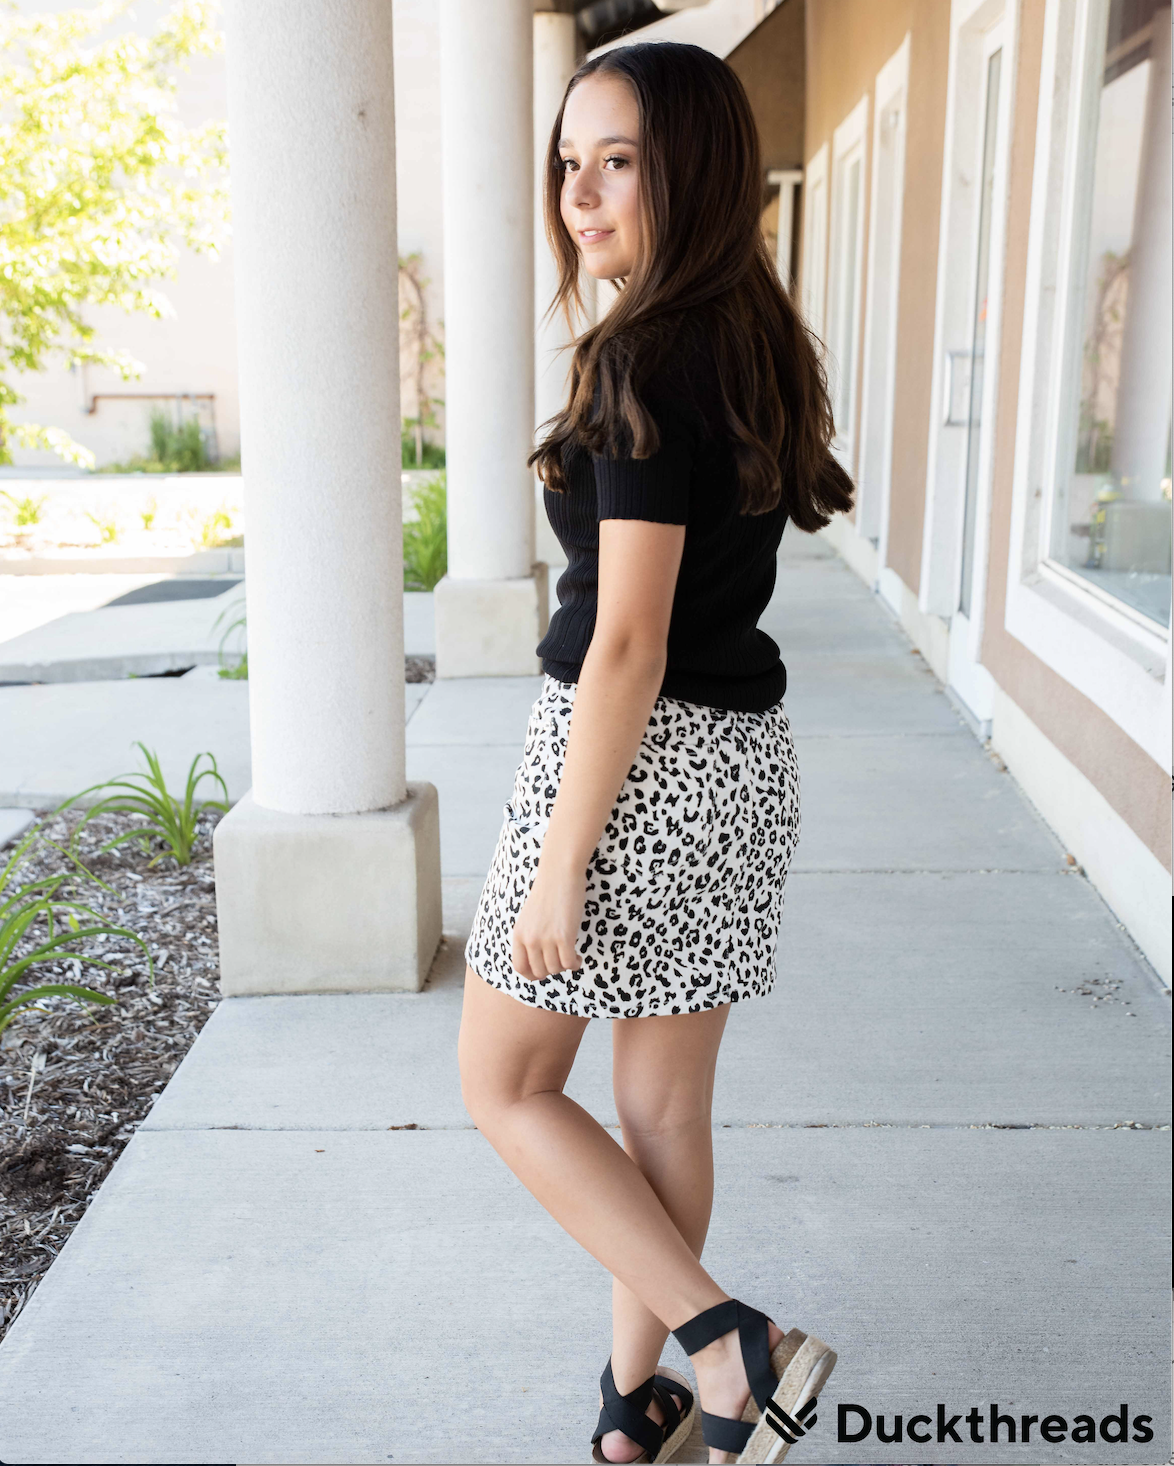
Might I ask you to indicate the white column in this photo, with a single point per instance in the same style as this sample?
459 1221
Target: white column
491 606
554 65
555 62
310 901
1142 428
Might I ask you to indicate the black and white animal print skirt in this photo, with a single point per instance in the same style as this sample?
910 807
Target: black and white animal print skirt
685 888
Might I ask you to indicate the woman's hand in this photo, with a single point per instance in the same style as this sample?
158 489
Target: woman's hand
548 923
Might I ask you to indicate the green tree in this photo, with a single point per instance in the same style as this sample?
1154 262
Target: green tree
100 186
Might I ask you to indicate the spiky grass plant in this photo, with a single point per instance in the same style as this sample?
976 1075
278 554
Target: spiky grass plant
44 913
240 671
27 511
173 822
106 525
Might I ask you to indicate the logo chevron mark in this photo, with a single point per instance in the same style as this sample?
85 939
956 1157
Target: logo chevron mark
792 1427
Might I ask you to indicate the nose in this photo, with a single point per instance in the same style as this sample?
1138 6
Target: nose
578 192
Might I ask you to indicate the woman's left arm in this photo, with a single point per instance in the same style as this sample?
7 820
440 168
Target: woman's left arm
618 684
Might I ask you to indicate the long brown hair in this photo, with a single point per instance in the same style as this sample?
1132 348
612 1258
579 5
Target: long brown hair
702 260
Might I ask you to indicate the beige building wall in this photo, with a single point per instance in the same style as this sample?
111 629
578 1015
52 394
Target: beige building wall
1132 783
770 64
848 41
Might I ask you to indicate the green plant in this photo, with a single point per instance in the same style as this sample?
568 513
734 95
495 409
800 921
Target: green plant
161 433
241 670
426 539
107 527
212 528
148 512
177 449
173 822
102 186
207 530
414 451
28 511
44 903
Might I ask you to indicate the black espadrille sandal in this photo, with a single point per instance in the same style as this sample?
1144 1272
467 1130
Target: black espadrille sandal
626 1413
784 1384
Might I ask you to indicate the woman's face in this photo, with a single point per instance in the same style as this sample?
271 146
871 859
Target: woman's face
599 203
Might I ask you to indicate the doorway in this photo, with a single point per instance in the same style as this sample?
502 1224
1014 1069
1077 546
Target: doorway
969 288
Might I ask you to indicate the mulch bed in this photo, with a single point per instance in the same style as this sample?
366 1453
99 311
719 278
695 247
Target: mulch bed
63 1125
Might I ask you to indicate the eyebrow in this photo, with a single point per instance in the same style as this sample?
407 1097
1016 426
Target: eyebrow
603 142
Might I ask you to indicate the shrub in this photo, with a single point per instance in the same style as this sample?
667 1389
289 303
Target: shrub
426 540
415 452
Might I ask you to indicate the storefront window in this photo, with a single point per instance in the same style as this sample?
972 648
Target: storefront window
1111 513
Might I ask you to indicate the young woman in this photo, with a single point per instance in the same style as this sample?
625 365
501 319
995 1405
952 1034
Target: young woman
640 868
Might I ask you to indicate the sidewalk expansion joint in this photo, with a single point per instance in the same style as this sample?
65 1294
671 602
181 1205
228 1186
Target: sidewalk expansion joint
878 734
937 870
720 1125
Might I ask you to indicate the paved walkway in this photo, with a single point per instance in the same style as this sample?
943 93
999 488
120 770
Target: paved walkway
81 663
934 1144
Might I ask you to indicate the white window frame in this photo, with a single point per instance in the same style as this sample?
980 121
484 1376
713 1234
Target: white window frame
878 386
846 271
789 181
1119 660
815 239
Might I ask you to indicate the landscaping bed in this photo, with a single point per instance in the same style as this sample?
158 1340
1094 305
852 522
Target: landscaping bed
76 1078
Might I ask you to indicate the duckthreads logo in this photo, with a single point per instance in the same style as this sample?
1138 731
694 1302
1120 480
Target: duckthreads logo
857 1423
791 1427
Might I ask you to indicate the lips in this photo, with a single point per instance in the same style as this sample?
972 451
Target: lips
593 236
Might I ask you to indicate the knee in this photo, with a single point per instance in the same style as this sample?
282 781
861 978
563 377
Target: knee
660 1113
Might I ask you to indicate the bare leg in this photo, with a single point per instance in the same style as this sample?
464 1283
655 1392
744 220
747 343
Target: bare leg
662 1078
514 1061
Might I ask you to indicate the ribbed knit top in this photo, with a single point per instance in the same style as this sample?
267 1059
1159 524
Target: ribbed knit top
717 656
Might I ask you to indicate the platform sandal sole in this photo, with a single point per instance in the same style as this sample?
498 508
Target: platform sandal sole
674 1442
671 1444
802 1364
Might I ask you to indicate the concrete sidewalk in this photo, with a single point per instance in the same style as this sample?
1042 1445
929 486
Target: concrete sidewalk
935 1144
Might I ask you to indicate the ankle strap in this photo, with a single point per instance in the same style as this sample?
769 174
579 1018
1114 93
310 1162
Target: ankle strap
752 1337
627 1413
703 1328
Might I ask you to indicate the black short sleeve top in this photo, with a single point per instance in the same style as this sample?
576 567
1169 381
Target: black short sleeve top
717 655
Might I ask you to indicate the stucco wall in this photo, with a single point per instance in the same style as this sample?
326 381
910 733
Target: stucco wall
1133 784
770 64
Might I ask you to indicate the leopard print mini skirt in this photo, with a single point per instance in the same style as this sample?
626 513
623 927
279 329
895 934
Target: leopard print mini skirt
685 888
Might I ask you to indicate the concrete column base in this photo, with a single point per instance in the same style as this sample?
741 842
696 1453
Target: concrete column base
489 628
328 903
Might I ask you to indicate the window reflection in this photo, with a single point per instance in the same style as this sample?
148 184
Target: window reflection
1111 521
